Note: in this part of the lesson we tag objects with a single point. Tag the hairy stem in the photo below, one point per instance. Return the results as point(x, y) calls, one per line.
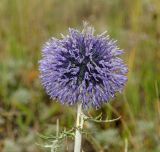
point(79, 127)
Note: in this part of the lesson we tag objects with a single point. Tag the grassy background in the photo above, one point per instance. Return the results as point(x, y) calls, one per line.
point(25, 109)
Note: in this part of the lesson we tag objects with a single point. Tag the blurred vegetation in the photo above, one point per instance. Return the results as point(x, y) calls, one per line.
point(25, 109)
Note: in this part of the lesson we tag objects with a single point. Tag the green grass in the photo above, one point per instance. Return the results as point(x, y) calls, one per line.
point(25, 109)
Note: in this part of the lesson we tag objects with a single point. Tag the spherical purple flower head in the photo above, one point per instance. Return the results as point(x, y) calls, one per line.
point(82, 67)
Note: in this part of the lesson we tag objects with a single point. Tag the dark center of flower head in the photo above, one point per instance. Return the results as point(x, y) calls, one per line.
point(83, 69)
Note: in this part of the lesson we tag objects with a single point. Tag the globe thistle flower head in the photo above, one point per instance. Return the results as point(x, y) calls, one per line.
point(82, 67)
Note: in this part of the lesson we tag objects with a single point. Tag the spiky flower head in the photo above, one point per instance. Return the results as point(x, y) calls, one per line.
point(82, 67)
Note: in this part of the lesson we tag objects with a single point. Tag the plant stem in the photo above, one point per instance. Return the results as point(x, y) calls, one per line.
point(79, 126)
